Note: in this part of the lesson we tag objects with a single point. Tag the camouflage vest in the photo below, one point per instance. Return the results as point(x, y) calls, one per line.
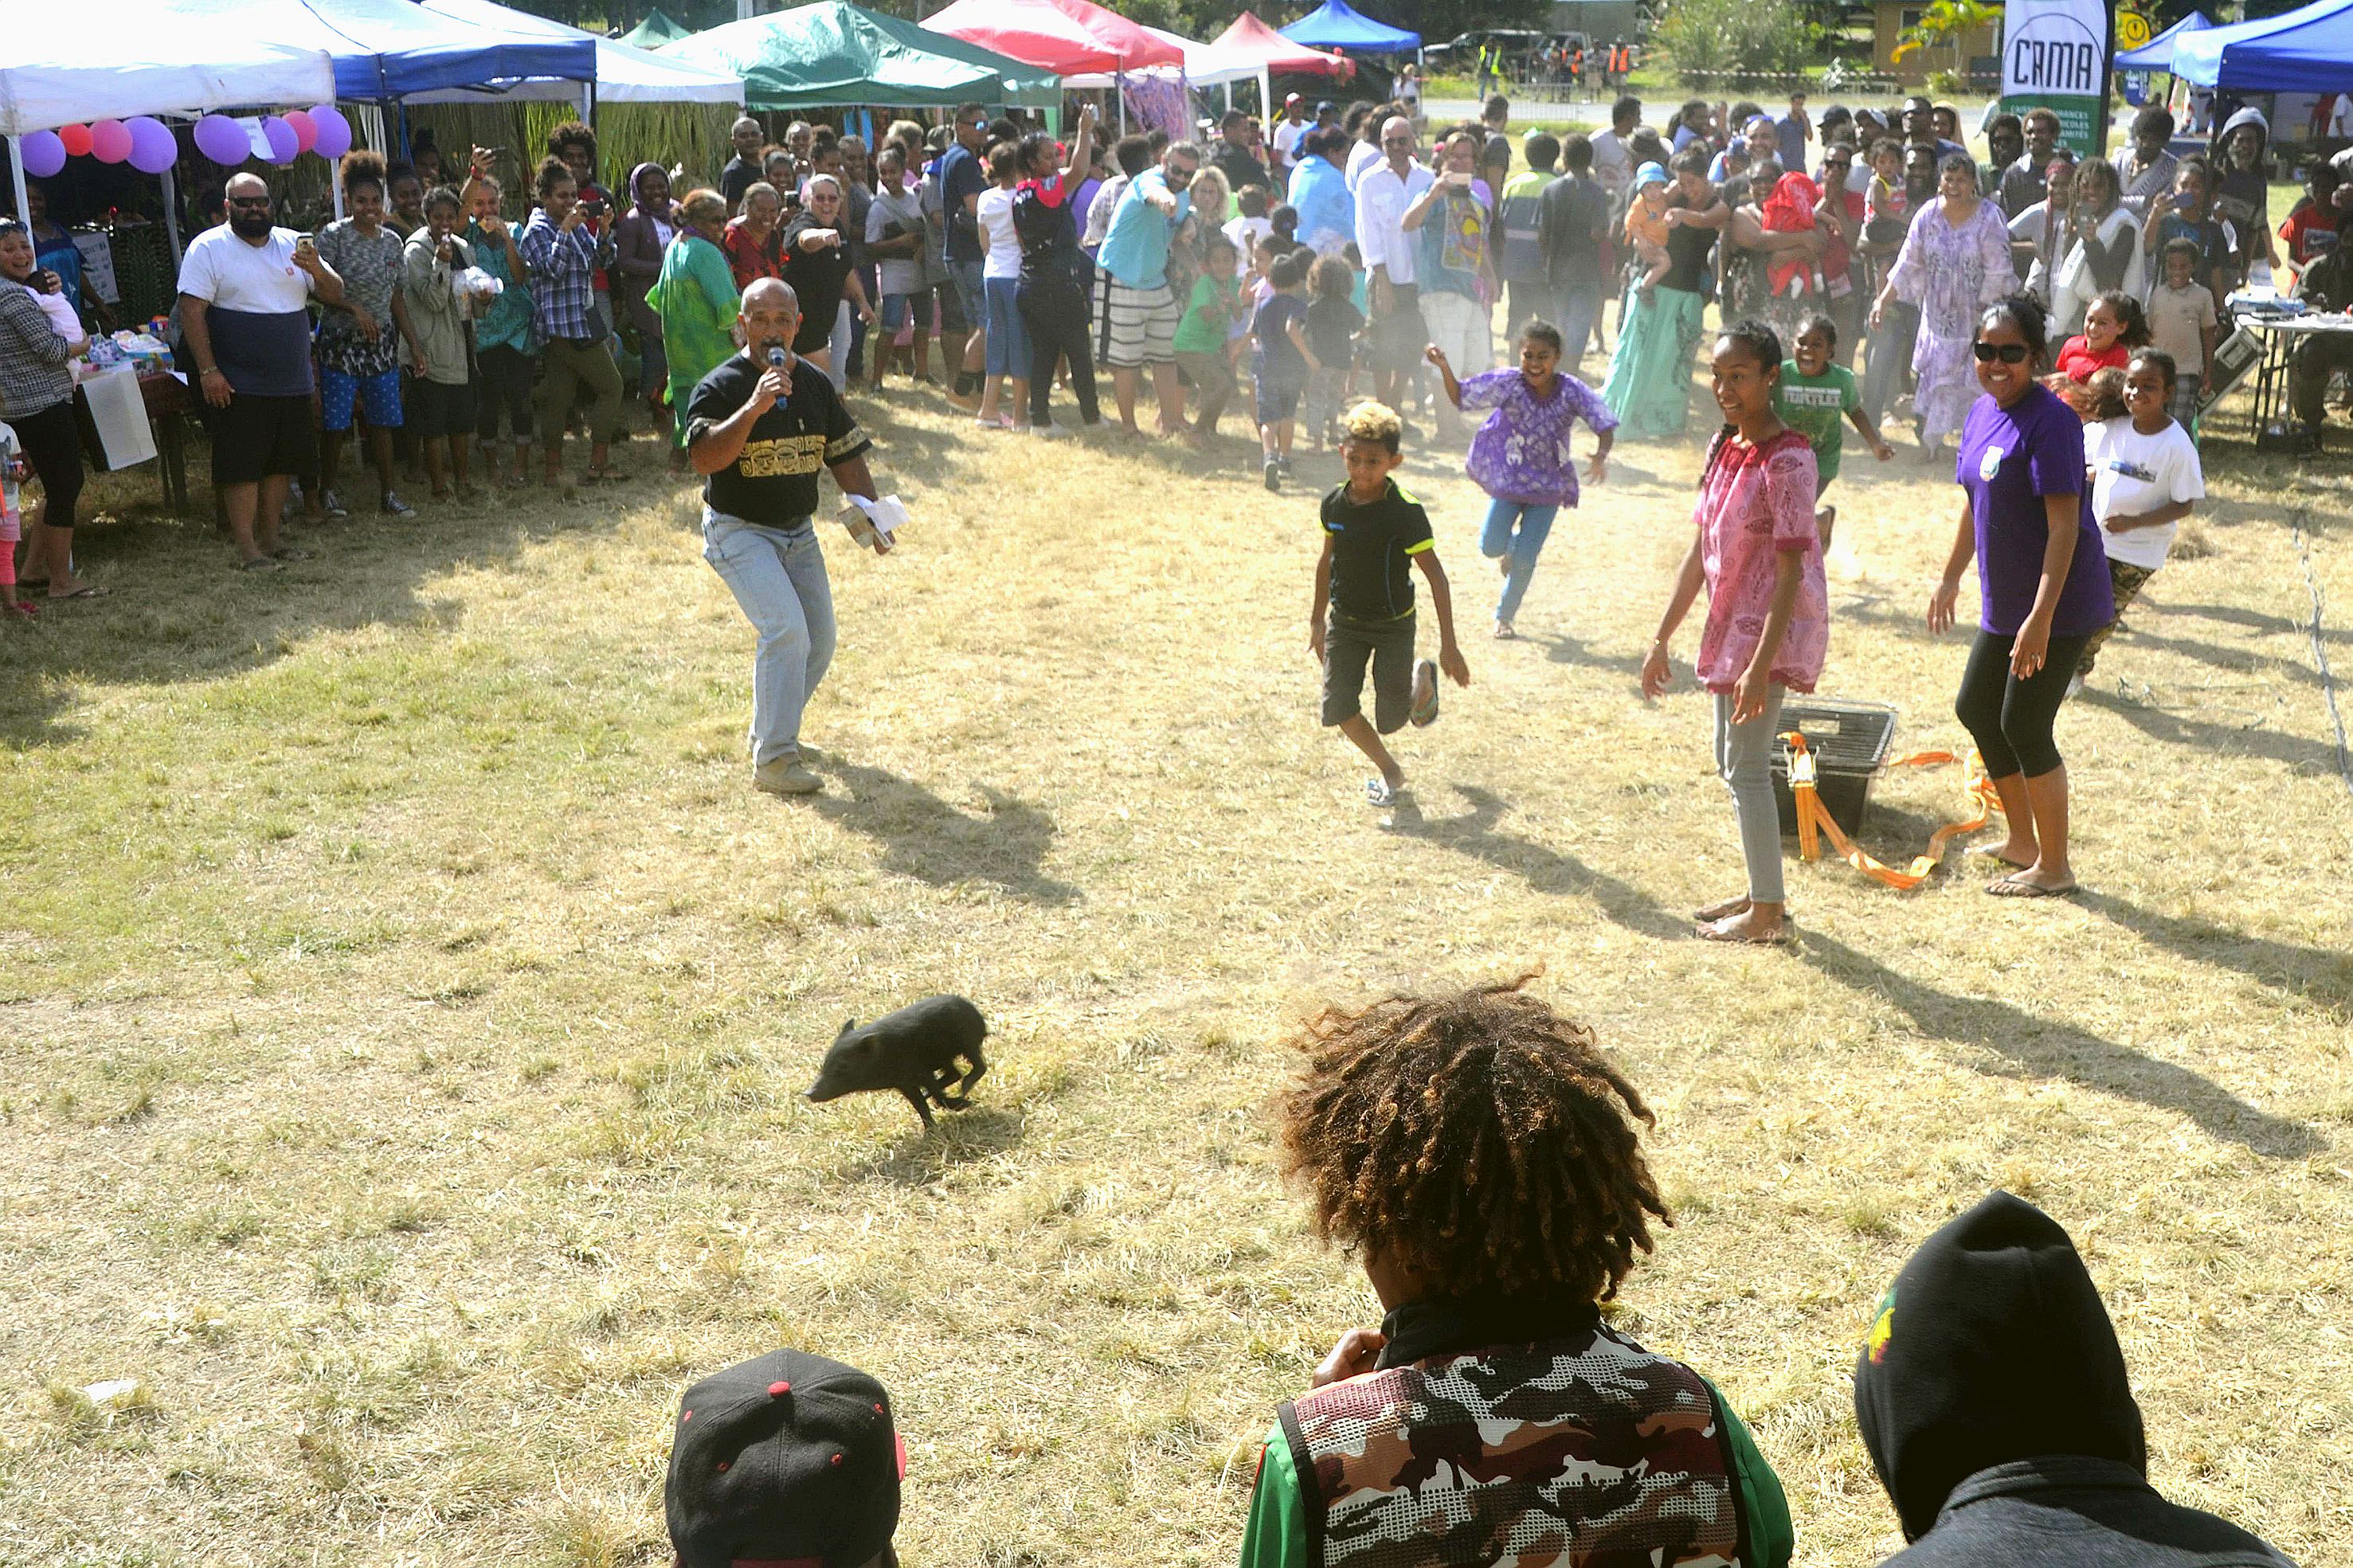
point(1587, 1451)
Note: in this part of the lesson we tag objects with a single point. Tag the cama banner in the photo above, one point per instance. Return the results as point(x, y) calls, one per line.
point(2055, 55)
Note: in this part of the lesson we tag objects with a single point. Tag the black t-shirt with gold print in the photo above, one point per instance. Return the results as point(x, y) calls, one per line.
point(773, 481)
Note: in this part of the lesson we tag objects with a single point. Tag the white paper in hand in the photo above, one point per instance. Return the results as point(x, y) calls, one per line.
point(884, 516)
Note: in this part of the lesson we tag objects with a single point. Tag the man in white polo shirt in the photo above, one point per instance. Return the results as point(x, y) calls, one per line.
point(244, 291)
point(1288, 133)
point(1384, 192)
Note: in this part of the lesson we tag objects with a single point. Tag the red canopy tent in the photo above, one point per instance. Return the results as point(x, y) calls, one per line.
point(1273, 52)
point(1068, 38)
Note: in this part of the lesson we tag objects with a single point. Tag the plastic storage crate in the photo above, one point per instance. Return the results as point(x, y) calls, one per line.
point(1850, 743)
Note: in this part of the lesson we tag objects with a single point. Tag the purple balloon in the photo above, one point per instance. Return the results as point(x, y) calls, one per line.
point(153, 149)
point(43, 153)
point(283, 143)
point(222, 140)
point(334, 138)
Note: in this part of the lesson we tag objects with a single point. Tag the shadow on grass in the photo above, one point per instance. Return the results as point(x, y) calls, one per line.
point(1568, 648)
point(176, 611)
point(1546, 869)
point(2320, 975)
point(2044, 1048)
point(2317, 757)
point(925, 838)
point(919, 1159)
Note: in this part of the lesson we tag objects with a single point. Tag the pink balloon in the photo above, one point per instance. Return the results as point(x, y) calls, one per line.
point(281, 137)
point(75, 138)
point(109, 141)
point(222, 140)
point(306, 130)
point(335, 131)
point(152, 148)
point(44, 153)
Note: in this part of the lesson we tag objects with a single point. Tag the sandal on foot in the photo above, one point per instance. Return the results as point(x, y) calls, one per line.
point(1778, 937)
point(86, 591)
point(2019, 888)
point(1993, 852)
point(1717, 911)
point(24, 607)
point(1503, 632)
point(1380, 791)
point(260, 564)
point(291, 553)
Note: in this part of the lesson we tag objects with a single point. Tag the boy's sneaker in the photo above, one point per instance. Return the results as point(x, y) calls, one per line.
point(1274, 476)
point(786, 775)
point(1284, 463)
point(393, 506)
point(1424, 710)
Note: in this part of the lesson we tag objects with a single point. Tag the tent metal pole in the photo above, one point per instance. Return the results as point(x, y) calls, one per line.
point(17, 172)
point(170, 218)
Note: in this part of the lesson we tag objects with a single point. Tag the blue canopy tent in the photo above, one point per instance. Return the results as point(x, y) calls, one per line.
point(2156, 55)
point(1333, 26)
point(385, 50)
point(2301, 51)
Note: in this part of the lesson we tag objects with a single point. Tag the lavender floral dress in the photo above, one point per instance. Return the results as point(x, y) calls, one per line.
point(1521, 453)
point(1951, 273)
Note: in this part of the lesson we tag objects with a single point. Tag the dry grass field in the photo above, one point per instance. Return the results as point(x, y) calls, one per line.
point(404, 1003)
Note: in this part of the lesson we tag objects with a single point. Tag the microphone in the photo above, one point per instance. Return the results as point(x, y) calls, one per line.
point(776, 361)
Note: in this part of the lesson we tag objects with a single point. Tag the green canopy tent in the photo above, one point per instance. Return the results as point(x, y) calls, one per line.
point(837, 55)
point(654, 32)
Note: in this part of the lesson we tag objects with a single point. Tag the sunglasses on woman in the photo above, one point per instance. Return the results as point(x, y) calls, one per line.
point(2009, 353)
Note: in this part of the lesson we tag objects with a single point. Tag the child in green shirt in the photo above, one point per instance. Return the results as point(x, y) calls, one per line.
point(1201, 337)
point(1812, 395)
point(1481, 1156)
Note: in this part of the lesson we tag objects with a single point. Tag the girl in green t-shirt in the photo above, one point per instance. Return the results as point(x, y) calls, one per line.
point(1201, 337)
point(1812, 395)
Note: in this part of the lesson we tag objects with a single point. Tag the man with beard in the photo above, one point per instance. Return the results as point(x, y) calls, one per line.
point(758, 429)
point(244, 287)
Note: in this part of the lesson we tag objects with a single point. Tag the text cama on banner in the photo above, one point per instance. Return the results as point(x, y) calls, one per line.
point(2055, 54)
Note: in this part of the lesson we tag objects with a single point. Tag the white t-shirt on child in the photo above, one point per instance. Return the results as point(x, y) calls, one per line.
point(2133, 474)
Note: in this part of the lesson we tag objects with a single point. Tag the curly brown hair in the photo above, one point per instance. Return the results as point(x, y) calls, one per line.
point(1478, 1140)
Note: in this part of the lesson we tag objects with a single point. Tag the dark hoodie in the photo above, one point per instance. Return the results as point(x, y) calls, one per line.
point(2243, 195)
point(1993, 1398)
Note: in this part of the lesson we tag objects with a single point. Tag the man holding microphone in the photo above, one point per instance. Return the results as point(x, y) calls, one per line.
point(758, 429)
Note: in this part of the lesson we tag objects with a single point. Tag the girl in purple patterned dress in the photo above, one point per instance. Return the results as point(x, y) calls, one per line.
point(1521, 456)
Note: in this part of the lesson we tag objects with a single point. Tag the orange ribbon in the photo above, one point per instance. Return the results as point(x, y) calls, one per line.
point(1814, 818)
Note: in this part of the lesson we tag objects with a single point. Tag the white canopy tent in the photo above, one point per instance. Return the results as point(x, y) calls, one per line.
point(103, 60)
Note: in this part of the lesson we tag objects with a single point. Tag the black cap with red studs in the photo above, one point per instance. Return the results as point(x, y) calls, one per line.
point(787, 1458)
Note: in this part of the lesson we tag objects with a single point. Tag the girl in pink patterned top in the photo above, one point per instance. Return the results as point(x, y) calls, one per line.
point(1757, 552)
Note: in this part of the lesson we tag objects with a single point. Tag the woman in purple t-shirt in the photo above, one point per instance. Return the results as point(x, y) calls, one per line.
point(1520, 455)
point(2044, 584)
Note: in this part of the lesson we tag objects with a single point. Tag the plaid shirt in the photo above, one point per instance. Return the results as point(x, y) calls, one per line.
point(33, 374)
point(563, 269)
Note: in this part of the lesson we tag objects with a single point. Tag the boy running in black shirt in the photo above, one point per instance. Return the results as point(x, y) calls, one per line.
point(1371, 529)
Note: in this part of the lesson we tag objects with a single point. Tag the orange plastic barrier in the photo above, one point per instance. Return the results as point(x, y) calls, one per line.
point(1814, 820)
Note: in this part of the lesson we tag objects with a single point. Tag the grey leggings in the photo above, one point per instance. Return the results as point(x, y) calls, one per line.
point(1744, 759)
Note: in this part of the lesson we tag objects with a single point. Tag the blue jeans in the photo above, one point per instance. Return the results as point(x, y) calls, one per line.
point(1009, 336)
point(1499, 539)
point(1580, 305)
point(777, 575)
